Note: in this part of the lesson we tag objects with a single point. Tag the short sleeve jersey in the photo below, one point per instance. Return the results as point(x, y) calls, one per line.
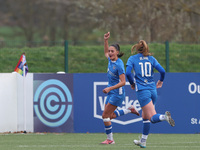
point(143, 71)
point(115, 69)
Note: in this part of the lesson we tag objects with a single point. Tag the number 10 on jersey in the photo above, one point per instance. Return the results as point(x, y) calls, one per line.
point(145, 69)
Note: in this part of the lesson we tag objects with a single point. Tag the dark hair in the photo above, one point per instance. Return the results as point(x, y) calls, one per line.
point(117, 47)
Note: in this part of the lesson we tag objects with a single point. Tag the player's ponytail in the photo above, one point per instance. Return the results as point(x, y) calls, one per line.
point(132, 48)
point(141, 47)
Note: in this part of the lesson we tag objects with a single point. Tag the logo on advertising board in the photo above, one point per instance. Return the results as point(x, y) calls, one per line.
point(52, 104)
point(130, 99)
point(194, 88)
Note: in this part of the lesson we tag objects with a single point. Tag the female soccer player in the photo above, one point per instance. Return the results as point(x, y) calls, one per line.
point(143, 64)
point(115, 90)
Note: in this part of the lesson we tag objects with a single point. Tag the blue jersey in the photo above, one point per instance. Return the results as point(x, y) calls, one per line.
point(143, 71)
point(115, 69)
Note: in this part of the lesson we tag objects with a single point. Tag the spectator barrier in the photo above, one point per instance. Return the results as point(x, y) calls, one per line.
point(75, 102)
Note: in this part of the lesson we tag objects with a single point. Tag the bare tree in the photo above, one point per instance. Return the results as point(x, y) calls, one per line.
point(128, 20)
point(25, 15)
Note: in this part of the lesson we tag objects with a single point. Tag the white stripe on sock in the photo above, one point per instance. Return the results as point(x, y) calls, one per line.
point(118, 112)
point(108, 128)
point(146, 121)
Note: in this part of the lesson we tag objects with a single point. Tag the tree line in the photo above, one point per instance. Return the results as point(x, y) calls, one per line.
point(127, 20)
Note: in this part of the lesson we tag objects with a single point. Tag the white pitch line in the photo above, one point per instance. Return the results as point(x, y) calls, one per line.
point(177, 143)
point(123, 145)
point(46, 146)
point(193, 146)
point(195, 142)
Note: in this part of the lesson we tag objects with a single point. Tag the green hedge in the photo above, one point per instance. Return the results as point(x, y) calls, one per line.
point(91, 59)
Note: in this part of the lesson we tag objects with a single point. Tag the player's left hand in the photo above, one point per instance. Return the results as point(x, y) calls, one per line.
point(133, 86)
point(106, 90)
point(159, 84)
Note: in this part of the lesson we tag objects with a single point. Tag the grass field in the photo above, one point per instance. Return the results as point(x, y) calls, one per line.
point(76, 141)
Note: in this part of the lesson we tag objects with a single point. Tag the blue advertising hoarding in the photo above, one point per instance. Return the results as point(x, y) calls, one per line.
point(180, 95)
point(75, 103)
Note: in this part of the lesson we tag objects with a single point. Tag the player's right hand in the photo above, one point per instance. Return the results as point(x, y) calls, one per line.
point(106, 90)
point(106, 36)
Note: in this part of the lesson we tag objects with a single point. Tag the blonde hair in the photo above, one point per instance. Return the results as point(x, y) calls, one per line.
point(141, 47)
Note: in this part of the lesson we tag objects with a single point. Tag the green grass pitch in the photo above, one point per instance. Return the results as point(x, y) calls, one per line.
point(90, 141)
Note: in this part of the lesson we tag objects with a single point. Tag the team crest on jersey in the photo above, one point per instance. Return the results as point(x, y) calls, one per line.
point(114, 67)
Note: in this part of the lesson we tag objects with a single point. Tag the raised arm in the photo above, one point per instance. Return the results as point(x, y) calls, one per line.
point(106, 37)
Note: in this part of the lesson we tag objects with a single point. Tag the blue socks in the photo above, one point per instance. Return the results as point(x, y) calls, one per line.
point(155, 118)
point(146, 126)
point(146, 129)
point(119, 113)
point(109, 132)
point(108, 129)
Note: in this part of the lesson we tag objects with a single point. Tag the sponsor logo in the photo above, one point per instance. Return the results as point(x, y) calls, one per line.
point(53, 103)
point(100, 99)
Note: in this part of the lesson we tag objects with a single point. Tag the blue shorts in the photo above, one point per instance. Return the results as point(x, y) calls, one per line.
point(145, 96)
point(114, 99)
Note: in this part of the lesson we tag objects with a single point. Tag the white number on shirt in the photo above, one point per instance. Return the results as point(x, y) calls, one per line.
point(145, 69)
